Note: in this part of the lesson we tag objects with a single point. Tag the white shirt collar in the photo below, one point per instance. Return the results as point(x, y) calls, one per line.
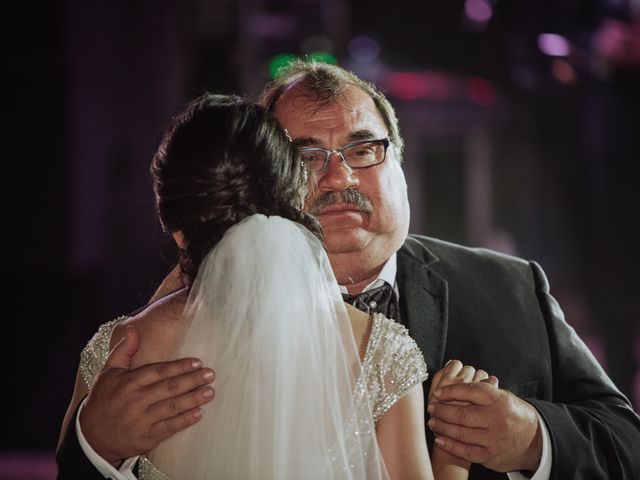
point(386, 275)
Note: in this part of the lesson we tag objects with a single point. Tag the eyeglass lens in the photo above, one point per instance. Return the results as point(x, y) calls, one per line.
point(359, 155)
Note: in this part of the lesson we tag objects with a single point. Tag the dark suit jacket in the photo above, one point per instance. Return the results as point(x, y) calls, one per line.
point(495, 312)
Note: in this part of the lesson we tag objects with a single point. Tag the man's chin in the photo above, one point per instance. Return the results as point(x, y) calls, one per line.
point(345, 241)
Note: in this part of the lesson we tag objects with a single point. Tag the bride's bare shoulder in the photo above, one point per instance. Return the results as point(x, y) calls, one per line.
point(360, 326)
point(159, 326)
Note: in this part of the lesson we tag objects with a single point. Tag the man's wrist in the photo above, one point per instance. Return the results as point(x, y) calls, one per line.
point(123, 472)
point(534, 452)
point(543, 470)
point(94, 444)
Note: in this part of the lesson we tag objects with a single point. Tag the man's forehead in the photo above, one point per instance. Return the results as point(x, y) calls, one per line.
point(298, 110)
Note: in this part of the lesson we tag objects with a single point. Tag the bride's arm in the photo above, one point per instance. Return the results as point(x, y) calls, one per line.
point(401, 437)
point(446, 465)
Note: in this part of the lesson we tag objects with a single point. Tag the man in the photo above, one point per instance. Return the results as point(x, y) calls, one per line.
point(557, 415)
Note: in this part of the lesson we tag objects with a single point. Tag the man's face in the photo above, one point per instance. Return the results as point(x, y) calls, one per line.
point(366, 225)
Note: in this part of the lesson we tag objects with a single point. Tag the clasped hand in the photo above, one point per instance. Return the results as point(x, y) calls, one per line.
point(475, 420)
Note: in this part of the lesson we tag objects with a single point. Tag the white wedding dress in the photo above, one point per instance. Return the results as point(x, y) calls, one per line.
point(292, 398)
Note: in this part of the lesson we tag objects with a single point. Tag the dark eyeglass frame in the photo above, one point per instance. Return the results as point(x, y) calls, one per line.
point(328, 152)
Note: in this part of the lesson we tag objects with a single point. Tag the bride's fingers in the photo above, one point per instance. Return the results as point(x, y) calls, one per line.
point(435, 381)
point(445, 376)
point(492, 380)
point(466, 374)
point(480, 375)
point(452, 369)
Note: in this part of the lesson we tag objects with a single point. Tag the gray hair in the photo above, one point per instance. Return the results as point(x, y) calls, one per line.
point(326, 83)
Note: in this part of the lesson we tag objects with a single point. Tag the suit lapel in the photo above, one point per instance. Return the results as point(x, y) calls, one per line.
point(423, 301)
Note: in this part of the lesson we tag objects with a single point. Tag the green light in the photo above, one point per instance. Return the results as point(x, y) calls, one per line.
point(279, 64)
point(322, 57)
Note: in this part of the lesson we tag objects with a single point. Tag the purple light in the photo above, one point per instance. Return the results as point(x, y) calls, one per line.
point(364, 49)
point(553, 45)
point(478, 11)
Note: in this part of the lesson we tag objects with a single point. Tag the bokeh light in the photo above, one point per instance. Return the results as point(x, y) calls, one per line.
point(279, 64)
point(553, 45)
point(478, 12)
point(563, 71)
point(364, 49)
point(481, 91)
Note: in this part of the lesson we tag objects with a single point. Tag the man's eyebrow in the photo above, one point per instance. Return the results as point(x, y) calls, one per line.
point(306, 142)
point(363, 134)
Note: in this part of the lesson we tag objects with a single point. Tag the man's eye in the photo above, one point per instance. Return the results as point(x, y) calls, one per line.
point(363, 152)
point(312, 156)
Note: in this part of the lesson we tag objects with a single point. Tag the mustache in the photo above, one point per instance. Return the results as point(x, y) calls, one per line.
point(350, 197)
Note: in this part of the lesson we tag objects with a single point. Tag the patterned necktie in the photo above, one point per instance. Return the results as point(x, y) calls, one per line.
point(377, 300)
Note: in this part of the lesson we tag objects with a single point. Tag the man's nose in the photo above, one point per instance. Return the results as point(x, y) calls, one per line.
point(338, 175)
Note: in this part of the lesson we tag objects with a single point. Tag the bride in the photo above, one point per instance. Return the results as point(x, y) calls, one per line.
point(307, 386)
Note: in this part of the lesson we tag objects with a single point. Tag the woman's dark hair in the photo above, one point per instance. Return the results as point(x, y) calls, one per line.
point(222, 160)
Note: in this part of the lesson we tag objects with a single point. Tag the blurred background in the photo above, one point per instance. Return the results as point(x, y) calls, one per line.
point(521, 121)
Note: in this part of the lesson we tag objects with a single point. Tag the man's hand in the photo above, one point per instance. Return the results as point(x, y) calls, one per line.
point(445, 464)
point(497, 429)
point(130, 411)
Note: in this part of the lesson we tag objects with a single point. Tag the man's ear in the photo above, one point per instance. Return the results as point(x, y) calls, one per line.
point(178, 236)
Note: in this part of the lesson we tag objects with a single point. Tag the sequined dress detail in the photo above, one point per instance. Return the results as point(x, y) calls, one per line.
point(392, 365)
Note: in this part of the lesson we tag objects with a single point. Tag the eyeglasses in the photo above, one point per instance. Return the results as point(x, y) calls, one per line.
point(362, 154)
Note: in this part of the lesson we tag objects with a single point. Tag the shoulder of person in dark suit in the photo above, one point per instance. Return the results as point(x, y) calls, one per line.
point(502, 317)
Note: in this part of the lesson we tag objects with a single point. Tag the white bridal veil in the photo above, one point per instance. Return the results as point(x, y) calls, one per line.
point(266, 314)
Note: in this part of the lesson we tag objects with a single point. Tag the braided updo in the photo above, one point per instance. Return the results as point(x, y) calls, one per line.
point(222, 160)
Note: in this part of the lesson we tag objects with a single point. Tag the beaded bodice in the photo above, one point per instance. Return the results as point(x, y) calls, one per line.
point(392, 365)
